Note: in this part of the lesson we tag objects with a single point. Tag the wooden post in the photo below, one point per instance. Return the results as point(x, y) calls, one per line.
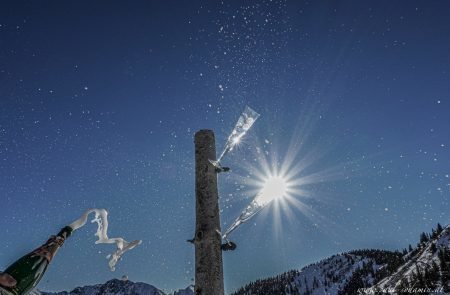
point(208, 253)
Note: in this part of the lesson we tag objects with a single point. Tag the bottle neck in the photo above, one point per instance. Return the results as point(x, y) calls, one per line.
point(65, 232)
point(49, 249)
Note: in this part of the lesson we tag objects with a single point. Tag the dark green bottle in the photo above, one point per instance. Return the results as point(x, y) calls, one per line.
point(29, 269)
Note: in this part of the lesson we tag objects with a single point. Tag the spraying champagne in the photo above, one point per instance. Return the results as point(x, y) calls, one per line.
point(23, 275)
point(244, 123)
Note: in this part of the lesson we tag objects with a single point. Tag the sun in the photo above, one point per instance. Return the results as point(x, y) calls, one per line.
point(275, 188)
point(284, 185)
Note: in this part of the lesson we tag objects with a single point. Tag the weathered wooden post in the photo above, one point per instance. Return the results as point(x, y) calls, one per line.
point(207, 240)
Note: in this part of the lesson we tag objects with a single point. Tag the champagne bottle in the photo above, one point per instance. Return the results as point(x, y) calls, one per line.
point(29, 269)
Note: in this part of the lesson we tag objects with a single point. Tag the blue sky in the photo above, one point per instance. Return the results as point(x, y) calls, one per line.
point(99, 103)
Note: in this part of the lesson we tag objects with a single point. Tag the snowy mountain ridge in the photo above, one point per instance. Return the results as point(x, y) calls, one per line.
point(424, 269)
point(120, 287)
point(329, 276)
point(369, 271)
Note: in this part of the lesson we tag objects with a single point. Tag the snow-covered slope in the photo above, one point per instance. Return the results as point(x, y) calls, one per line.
point(427, 266)
point(329, 276)
point(333, 274)
point(120, 287)
point(368, 272)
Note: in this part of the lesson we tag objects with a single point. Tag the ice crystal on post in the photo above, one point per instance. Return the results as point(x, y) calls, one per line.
point(244, 123)
point(274, 188)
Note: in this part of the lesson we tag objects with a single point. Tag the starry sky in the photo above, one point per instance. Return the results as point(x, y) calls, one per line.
point(99, 103)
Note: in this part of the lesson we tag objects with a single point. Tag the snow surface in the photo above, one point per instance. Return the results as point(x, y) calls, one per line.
point(120, 287)
point(423, 258)
point(342, 266)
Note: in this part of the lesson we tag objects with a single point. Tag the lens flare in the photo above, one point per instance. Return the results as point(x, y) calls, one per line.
point(291, 177)
point(281, 184)
point(275, 187)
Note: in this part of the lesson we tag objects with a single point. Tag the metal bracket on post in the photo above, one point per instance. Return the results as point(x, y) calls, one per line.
point(222, 169)
point(218, 167)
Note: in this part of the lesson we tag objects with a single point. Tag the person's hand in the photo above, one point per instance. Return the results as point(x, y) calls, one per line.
point(6, 280)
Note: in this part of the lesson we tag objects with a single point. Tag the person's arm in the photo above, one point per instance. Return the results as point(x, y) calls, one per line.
point(6, 280)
